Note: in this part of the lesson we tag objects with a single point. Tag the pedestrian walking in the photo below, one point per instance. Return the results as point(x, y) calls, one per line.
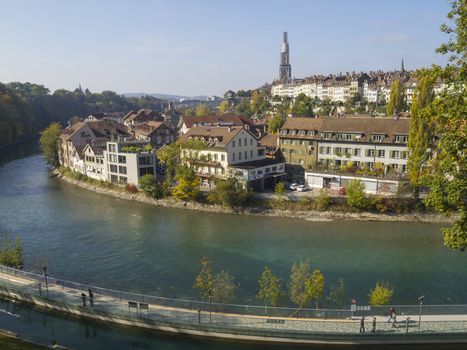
point(91, 297)
point(391, 313)
point(394, 320)
point(407, 324)
point(373, 329)
point(83, 297)
point(362, 325)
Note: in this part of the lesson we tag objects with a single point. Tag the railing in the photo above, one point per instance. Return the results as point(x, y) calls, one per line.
point(254, 310)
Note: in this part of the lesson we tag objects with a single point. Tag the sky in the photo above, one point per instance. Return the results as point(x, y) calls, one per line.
point(207, 47)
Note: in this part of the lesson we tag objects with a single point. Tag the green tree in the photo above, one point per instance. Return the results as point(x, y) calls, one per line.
point(356, 195)
point(223, 288)
point(315, 286)
point(303, 106)
point(149, 185)
point(187, 187)
point(202, 110)
point(420, 133)
point(446, 174)
point(337, 294)
point(11, 254)
point(243, 107)
point(276, 123)
point(204, 280)
point(49, 143)
point(270, 291)
point(169, 156)
point(230, 193)
point(396, 98)
point(299, 276)
point(223, 107)
point(381, 294)
point(280, 189)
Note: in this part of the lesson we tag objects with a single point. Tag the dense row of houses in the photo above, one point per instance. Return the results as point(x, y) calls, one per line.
point(322, 152)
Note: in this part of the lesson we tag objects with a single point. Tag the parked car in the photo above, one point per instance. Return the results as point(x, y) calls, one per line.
point(293, 186)
point(302, 188)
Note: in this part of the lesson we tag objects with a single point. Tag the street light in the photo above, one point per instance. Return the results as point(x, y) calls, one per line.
point(45, 277)
point(420, 299)
point(210, 298)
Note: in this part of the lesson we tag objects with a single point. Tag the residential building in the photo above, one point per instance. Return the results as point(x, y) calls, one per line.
point(134, 118)
point(351, 144)
point(232, 151)
point(187, 122)
point(126, 161)
point(155, 133)
point(93, 156)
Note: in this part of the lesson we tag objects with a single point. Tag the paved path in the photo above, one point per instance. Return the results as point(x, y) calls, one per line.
point(430, 323)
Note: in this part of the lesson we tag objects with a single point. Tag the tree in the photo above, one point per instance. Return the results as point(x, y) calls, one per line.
point(258, 103)
point(223, 288)
point(446, 174)
point(280, 189)
point(299, 276)
point(204, 280)
point(381, 294)
point(270, 291)
point(149, 185)
point(337, 294)
point(303, 106)
point(230, 193)
point(396, 98)
point(11, 254)
point(202, 110)
point(49, 143)
point(187, 187)
point(223, 107)
point(169, 155)
point(421, 131)
point(356, 194)
point(315, 286)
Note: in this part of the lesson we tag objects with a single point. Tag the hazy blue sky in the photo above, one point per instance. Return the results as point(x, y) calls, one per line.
point(207, 47)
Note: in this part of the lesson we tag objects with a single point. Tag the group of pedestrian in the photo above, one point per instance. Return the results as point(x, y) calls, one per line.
point(392, 317)
point(91, 297)
point(362, 325)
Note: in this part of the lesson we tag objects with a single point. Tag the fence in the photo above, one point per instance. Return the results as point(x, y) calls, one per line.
point(253, 310)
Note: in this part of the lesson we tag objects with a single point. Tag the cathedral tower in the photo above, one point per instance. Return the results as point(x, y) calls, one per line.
point(285, 69)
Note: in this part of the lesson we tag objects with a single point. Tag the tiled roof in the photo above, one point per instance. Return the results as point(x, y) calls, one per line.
point(224, 119)
point(150, 127)
point(269, 140)
point(360, 124)
point(219, 136)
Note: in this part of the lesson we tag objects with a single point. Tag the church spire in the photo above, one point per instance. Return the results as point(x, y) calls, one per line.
point(285, 69)
point(402, 66)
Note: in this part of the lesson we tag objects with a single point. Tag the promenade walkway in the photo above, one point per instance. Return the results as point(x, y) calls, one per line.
point(149, 315)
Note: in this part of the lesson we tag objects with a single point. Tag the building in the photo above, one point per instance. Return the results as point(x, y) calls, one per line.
point(134, 118)
point(126, 161)
point(155, 133)
point(93, 156)
point(285, 69)
point(232, 151)
point(352, 145)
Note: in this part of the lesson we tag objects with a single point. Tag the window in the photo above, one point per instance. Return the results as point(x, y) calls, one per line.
point(326, 135)
point(251, 142)
point(337, 151)
point(122, 159)
point(245, 143)
point(321, 150)
point(370, 152)
point(239, 142)
point(122, 169)
point(122, 180)
point(111, 148)
point(404, 155)
point(395, 154)
point(381, 153)
point(222, 157)
point(377, 138)
point(268, 170)
point(113, 168)
point(357, 152)
point(260, 152)
point(328, 150)
point(239, 155)
point(284, 132)
point(246, 154)
point(144, 161)
point(112, 158)
point(113, 178)
point(251, 153)
point(274, 168)
point(400, 139)
point(233, 143)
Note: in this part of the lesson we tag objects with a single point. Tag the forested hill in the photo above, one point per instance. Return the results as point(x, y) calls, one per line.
point(27, 108)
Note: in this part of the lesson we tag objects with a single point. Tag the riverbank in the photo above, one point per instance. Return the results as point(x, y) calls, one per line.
point(309, 215)
point(11, 341)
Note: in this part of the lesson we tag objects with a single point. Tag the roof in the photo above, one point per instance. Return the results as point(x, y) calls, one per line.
point(150, 127)
point(219, 136)
point(269, 140)
point(141, 115)
point(361, 124)
point(97, 150)
point(224, 119)
point(100, 128)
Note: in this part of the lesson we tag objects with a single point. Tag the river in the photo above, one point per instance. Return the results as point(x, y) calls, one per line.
point(99, 240)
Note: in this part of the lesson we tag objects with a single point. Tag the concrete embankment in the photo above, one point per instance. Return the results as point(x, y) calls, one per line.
point(308, 215)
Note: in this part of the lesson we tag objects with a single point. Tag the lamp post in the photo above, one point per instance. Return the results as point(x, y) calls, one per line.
point(46, 283)
point(420, 299)
point(210, 298)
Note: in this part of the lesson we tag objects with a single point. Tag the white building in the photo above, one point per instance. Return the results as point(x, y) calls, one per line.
point(231, 152)
point(126, 161)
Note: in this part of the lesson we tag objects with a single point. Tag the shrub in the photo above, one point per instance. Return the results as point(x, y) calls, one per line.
point(280, 189)
point(323, 201)
point(356, 195)
point(131, 188)
point(381, 294)
point(149, 186)
point(11, 253)
point(230, 193)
